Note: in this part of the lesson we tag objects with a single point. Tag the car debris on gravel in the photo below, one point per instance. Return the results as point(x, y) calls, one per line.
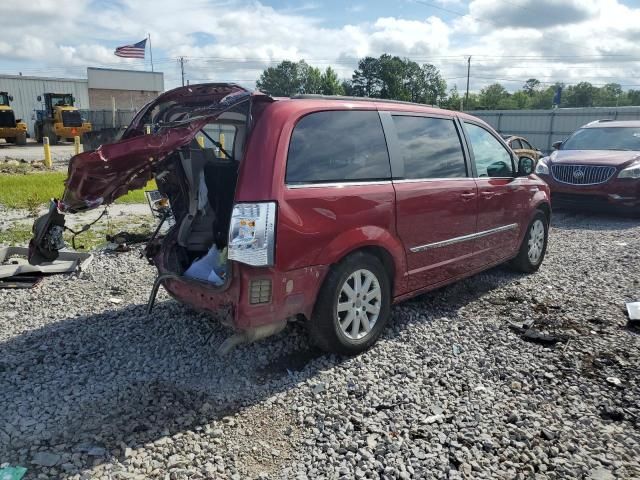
point(96, 389)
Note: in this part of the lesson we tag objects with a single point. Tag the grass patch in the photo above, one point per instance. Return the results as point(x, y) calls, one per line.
point(25, 190)
point(16, 235)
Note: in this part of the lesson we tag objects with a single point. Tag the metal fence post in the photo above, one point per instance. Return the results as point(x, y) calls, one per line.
point(549, 142)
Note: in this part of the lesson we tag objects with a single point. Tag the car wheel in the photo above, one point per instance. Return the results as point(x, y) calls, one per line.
point(353, 306)
point(534, 245)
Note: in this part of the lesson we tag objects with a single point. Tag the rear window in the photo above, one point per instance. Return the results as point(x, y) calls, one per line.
point(430, 147)
point(338, 146)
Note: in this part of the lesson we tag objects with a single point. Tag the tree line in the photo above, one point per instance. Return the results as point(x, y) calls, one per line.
point(392, 77)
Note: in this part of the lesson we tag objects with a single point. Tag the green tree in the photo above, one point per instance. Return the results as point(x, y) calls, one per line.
point(531, 86)
point(580, 95)
point(610, 95)
point(396, 78)
point(521, 100)
point(283, 80)
point(330, 83)
point(366, 80)
point(492, 96)
point(452, 101)
point(633, 97)
point(347, 88)
point(435, 87)
point(310, 78)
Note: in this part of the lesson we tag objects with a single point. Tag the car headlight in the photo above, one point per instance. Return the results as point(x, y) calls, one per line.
point(542, 168)
point(630, 172)
point(252, 233)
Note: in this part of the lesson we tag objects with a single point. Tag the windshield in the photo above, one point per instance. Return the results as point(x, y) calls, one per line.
point(604, 138)
point(4, 99)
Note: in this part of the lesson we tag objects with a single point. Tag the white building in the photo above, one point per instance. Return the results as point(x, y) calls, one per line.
point(129, 89)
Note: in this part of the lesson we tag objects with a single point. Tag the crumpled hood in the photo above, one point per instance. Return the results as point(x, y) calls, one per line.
point(614, 158)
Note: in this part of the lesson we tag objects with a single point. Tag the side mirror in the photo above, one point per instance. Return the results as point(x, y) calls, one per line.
point(526, 166)
point(11, 98)
point(39, 98)
point(557, 145)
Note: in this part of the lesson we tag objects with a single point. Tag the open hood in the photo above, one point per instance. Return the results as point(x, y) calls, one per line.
point(613, 158)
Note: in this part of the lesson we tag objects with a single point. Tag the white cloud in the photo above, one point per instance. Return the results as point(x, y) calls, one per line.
point(235, 41)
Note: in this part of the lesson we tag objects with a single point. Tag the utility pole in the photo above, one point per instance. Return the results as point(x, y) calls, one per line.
point(182, 60)
point(466, 97)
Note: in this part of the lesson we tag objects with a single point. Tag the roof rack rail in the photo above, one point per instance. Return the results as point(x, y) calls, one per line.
point(602, 120)
point(317, 96)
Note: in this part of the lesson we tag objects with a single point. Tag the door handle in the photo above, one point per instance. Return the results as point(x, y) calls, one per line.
point(467, 195)
point(488, 194)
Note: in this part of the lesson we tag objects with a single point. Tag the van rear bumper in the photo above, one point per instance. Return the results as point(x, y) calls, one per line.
point(236, 304)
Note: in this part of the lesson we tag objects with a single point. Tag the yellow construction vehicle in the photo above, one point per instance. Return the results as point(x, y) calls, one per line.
point(11, 129)
point(59, 120)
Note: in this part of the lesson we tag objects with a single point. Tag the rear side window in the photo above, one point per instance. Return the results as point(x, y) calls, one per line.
point(430, 147)
point(515, 144)
point(338, 146)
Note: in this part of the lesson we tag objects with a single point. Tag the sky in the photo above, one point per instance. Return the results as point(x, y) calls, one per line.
point(509, 41)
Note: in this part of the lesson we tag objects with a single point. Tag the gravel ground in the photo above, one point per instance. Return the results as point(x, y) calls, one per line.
point(92, 387)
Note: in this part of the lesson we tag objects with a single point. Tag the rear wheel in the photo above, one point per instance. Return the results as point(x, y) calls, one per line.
point(21, 139)
point(353, 306)
point(534, 245)
point(49, 132)
point(10, 140)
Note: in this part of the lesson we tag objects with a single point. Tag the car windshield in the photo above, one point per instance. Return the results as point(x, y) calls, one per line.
point(604, 138)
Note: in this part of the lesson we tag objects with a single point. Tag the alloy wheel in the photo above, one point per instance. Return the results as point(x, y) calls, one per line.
point(358, 305)
point(536, 241)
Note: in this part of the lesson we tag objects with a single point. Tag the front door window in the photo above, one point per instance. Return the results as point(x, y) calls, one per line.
point(492, 159)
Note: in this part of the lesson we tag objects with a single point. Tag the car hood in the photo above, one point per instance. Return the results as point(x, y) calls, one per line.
point(614, 158)
point(100, 176)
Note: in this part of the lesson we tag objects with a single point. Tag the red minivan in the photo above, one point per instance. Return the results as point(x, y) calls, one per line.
point(327, 209)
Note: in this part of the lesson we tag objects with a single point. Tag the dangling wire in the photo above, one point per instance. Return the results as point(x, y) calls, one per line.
point(84, 228)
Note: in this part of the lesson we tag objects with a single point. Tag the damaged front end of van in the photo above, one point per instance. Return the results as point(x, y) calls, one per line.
point(199, 178)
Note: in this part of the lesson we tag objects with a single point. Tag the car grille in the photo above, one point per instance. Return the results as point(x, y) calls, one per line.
point(7, 118)
point(71, 118)
point(582, 174)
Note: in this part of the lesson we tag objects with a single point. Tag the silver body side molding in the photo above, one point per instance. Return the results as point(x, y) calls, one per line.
point(464, 238)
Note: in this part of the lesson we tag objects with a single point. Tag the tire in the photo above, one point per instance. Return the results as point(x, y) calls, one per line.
point(21, 139)
point(534, 245)
point(48, 132)
point(344, 332)
point(10, 139)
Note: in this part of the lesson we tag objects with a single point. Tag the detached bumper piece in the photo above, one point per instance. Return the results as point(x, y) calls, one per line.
point(16, 272)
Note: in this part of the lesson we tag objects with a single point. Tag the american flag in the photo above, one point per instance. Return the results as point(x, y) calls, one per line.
point(132, 51)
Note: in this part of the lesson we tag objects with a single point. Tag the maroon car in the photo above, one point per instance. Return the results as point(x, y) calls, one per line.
point(326, 209)
point(597, 167)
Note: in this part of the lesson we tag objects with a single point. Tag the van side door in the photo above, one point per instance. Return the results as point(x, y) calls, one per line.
point(503, 198)
point(436, 198)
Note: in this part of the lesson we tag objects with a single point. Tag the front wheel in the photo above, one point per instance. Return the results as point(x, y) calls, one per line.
point(353, 306)
point(534, 245)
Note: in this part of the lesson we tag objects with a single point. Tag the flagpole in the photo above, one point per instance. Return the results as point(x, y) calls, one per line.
point(150, 50)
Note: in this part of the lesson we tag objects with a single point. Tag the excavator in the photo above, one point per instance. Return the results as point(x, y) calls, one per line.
point(60, 119)
point(11, 129)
